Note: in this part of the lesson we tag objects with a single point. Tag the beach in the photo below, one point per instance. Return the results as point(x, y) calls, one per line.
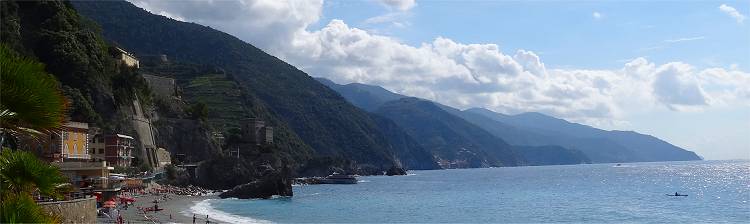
point(176, 209)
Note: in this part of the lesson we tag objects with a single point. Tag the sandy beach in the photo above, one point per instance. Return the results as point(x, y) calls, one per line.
point(176, 209)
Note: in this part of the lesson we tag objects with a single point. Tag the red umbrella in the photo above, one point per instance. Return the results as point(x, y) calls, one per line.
point(109, 204)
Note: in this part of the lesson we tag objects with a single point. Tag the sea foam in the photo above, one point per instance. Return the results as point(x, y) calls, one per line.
point(203, 208)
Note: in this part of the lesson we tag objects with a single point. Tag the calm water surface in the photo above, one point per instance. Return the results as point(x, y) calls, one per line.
point(719, 191)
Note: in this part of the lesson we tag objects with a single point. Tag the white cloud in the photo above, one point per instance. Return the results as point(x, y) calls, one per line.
point(401, 5)
point(596, 15)
point(731, 11)
point(676, 86)
point(684, 39)
point(465, 75)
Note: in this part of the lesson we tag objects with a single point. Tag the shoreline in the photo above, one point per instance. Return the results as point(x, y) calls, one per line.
point(176, 209)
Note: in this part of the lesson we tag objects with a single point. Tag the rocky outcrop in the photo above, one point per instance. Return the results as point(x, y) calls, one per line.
point(186, 137)
point(394, 170)
point(266, 187)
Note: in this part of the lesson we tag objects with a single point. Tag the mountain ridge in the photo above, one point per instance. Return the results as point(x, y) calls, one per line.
point(294, 102)
point(538, 129)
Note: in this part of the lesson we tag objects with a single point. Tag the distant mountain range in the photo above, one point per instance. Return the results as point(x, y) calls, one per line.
point(530, 129)
point(356, 127)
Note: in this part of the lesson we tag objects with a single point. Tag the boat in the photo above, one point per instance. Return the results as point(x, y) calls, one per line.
point(677, 195)
point(336, 178)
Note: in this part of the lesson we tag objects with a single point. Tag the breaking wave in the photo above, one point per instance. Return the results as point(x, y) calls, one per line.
point(205, 208)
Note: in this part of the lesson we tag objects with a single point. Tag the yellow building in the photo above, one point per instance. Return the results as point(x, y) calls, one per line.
point(126, 58)
point(75, 141)
point(69, 143)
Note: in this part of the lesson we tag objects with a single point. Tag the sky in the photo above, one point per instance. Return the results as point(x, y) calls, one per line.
point(677, 70)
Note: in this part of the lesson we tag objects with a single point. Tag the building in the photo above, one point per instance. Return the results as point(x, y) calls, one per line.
point(70, 143)
point(96, 145)
point(161, 86)
point(126, 58)
point(87, 175)
point(118, 149)
point(256, 132)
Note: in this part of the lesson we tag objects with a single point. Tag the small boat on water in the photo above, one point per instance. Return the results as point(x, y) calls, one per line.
point(336, 178)
point(677, 195)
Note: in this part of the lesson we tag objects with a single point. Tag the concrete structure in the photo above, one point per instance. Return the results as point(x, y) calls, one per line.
point(256, 132)
point(87, 175)
point(96, 144)
point(118, 149)
point(128, 59)
point(70, 143)
point(161, 86)
point(145, 133)
point(163, 157)
point(72, 211)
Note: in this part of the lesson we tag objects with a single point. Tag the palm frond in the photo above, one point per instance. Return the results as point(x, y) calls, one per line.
point(29, 97)
point(23, 209)
point(21, 172)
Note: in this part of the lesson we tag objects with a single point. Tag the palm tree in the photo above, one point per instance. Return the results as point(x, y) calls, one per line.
point(31, 102)
point(22, 174)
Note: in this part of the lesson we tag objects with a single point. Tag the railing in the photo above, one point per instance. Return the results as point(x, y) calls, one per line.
point(76, 156)
point(74, 165)
point(65, 197)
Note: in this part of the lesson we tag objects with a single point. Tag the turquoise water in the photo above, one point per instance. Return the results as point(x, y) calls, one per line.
point(719, 191)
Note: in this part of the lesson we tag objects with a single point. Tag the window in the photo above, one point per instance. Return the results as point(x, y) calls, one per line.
point(101, 151)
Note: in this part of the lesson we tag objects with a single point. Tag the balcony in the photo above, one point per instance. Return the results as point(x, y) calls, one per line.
point(76, 156)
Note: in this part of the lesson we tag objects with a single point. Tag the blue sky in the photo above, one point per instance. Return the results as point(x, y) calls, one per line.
point(678, 70)
point(599, 35)
point(566, 34)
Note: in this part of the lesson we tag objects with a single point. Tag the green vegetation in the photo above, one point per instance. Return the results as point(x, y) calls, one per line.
point(21, 175)
point(296, 105)
point(447, 136)
point(31, 100)
point(221, 95)
point(72, 50)
point(31, 104)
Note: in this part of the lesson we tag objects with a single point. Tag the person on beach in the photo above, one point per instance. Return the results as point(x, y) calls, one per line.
point(193, 218)
point(207, 220)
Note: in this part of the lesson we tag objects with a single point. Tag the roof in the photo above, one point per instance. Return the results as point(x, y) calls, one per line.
point(80, 125)
point(124, 136)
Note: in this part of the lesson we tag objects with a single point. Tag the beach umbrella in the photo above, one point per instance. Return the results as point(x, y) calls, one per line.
point(109, 204)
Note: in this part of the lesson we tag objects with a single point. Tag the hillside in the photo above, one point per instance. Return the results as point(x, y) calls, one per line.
point(72, 50)
point(632, 146)
point(539, 130)
point(363, 96)
point(451, 139)
point(319, 116)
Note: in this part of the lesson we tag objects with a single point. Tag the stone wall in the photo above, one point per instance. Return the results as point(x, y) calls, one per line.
point(73, 211)
point(162, 86)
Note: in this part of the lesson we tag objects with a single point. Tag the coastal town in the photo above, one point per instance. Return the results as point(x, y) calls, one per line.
point(267, 111)
point(114, 177)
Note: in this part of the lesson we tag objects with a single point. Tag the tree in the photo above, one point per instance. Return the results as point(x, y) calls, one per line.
point(22, 174)
point(199, 111)
point(30, 99)
point(31, 103)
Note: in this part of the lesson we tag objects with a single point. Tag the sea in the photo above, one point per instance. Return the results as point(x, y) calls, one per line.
point(718, 192)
